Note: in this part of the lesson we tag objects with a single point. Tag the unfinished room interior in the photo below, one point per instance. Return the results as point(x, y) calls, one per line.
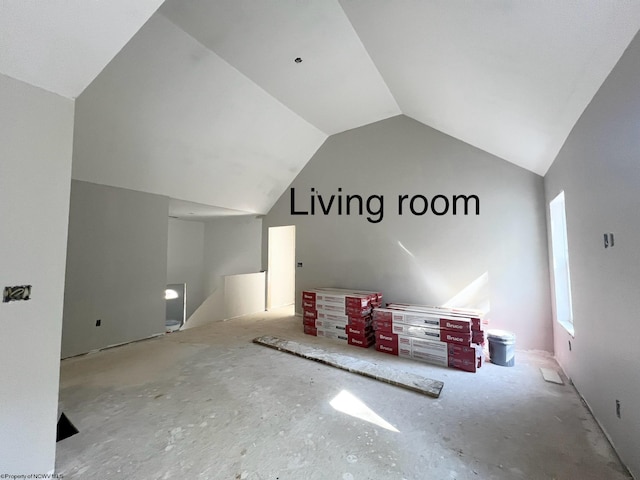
point(196, 193)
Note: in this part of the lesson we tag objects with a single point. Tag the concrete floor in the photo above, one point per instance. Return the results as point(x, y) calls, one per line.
point(206, 403)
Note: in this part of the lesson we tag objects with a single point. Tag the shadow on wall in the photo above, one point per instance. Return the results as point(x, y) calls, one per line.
point(474, 296)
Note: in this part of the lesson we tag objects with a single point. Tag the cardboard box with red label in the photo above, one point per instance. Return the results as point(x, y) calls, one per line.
point(438, 334)
point(468, 358)
point(340, 300)
point(310, 330)
point(331, 325)
point(361, 341)
point(332, 334)
point(385, 315)
point(476, 317)
point(361, 322)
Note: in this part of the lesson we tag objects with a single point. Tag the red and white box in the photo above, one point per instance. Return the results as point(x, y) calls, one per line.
point(331, 325)
point(361, 322)
point(361, 341)
point(386, 342)
point(421, 319)
point(384, 325)
point(339, 300)
point(360, 336)
point(359, 331)
point(476, 317)
point(332, 316)
point(374, 297)
point(309, 314)
point(438, 334)
point(309, 321)
point(434, 333)
point(309, 330)
point(335, 297)
point(333, 334)
point(463, 357)
point(327, 307)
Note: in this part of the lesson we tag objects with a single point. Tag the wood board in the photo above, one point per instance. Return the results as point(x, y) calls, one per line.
point(382, 373)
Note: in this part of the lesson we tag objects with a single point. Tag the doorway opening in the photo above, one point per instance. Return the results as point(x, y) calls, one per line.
point(281, 267)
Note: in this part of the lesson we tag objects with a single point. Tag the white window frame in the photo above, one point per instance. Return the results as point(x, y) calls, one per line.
point(560, 261)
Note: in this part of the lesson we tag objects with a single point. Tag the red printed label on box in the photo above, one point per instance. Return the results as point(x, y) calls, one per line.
point(364, 342)
point(359, 331)
point(432, 333)
point(384, 348)
point(309, 296)
point(312, 314)
point(422, 319)
point(387, 343)
point(361, 322)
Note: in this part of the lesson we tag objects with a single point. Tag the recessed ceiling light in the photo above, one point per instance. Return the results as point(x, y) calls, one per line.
point(298, 60)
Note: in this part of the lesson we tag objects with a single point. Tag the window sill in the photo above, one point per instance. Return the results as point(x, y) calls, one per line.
point(568, 326)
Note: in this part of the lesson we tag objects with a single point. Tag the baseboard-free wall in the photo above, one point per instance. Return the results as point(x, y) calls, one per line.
point(498, 256)
point(36, 134)
point(185, 259)
point(232, 246)
point(598, 169)
point(239, 295)
point(116, 267)
point(244, 294)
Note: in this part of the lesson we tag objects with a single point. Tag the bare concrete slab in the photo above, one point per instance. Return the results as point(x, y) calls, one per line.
point(392, 376)
point(209, 404)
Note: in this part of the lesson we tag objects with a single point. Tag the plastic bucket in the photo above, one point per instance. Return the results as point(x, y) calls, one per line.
point(502, 347)
point(172, 325)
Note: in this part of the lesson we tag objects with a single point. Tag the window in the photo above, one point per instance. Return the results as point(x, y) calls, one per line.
point(560, 253)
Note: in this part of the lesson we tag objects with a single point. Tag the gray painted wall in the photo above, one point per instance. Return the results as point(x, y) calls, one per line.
point(599, 170)
point(36, 134)
point(116, 267)
point(185, 259)
point(425, 259)
point(232, 246)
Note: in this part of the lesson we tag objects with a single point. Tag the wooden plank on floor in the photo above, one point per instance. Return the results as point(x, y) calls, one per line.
point(551, 375)
point(385, 374)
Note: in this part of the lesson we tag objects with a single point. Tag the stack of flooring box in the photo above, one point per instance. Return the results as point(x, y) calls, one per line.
point(443, 336)
point(340, 314)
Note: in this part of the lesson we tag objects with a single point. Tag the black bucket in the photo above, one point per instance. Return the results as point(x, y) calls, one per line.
point(502, 347)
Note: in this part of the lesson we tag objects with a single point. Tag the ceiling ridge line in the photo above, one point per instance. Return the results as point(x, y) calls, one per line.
point(244, 75)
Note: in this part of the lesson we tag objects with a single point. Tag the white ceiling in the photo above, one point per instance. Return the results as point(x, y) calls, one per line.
point(168, 116)
point(62, 45)
point(336, 87)
point(510, 78)
point(199, 212)
point(206, 104)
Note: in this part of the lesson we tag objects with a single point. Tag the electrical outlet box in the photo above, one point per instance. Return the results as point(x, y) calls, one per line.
point(19, 292)
point(98, 322)
point(608, 240)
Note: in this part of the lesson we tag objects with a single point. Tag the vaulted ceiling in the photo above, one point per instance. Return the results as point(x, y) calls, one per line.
point(206, 103)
